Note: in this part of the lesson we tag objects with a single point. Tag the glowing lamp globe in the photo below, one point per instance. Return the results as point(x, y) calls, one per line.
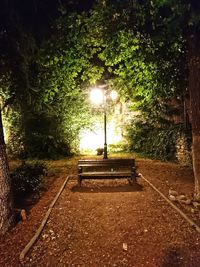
point(113, 95)
point(97, 96)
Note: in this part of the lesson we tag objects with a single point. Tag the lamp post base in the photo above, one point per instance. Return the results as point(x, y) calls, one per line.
point(105, 152)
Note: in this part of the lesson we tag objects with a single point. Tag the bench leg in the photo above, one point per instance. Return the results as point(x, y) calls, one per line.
point(132, 180)
point(79, 181)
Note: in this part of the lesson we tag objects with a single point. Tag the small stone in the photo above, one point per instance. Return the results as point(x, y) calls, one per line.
point(181, 197)
point(45, 236)
point(51, 232)
point(172, 198)
point(173, 192)
point(23, 215)
point(187, 201)
point(125, 246)
point(196, 204)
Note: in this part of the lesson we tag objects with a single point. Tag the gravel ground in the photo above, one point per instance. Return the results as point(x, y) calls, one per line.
point(110, 223)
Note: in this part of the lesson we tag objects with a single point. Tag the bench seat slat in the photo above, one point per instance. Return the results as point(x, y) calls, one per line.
point(104, 174)
point(105, 165)
point(108, 161)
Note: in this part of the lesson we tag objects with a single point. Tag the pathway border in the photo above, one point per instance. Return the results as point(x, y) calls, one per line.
point(193, 224)
point(43, 223)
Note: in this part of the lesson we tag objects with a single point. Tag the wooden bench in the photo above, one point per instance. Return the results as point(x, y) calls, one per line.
point(107, 169)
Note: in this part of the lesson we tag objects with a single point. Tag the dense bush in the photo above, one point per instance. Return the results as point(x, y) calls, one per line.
point(43, 136)
point(45, 146)
point(159, 143)
point(47, 133)
point(38, 136)
point(27, 178)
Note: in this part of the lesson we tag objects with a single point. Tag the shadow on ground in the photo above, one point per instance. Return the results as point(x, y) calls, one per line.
point(174, 257)
point(107, 189)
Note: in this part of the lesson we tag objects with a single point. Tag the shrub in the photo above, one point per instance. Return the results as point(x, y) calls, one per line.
point(45, 146)
point(100, 151)
point(159, 143)
point(27, 178)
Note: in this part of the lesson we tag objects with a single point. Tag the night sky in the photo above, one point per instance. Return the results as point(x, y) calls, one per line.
point(37, 15)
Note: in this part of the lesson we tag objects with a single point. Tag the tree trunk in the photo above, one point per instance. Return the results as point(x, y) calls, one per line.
point(194, 90)
point(6, 200)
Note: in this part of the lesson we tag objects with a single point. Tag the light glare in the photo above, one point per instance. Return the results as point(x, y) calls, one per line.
point(113, 95)
point(96, 96)
point(91, 140)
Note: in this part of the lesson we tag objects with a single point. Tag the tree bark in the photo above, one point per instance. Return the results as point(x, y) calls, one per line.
point(6, 199)
point(194, 90)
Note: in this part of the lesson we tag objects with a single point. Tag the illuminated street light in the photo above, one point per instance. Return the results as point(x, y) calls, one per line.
point(113, 95)
point(98, 97)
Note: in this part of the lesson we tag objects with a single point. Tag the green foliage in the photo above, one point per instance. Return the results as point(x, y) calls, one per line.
point(138, 46)
point(43, 137)
point(27, 178)
point(67, 70)
point(13, 129)
point(148, 58)
point(155, 142)
point(52, 112)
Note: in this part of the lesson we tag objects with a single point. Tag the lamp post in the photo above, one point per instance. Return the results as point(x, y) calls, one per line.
point(105, 148)
point(98, 97)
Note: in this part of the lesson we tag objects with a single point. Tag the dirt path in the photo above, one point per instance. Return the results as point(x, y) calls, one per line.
point(109, 223)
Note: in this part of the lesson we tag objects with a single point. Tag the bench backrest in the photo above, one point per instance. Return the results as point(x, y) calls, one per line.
point(106, 163)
